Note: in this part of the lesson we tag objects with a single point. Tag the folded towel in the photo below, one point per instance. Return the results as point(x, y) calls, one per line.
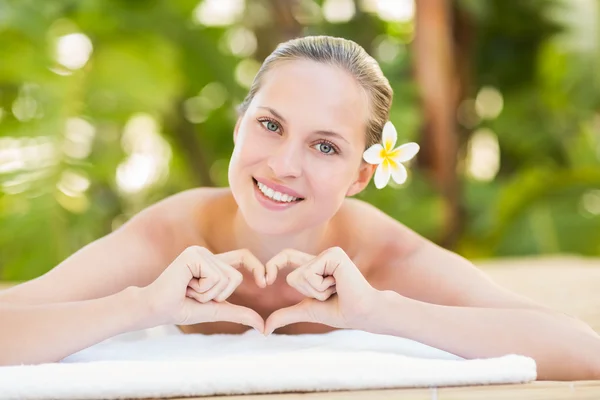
point(202, 365)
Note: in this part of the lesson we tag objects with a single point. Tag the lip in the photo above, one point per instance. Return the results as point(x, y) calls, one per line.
point(272, 204)
point(279, 188)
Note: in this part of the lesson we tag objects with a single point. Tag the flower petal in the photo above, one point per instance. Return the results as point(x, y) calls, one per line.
point(373, 155)
point(389, 136)
point(382, 174)
point(405, 152)
point(399, 173)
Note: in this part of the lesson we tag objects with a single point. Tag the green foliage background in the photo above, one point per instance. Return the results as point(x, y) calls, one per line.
point(152, 61)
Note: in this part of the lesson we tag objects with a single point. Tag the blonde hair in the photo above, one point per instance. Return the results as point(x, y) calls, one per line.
point(343, 53)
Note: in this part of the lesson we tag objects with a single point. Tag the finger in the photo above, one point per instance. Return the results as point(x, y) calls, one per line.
point(301, 312)
point(296, 280)
point(318, 282)
point(302, 286)
point(309, 291)
point(234, 279)
point(287, 258)
point(194, 284)
point(186, 266)
point(189, 292)
point(238, 314)
point(214, 291)
point(279, 261)
point(258, 270)
point(222, 281)
point(335, 262)
point(271, 270)
point(326, 294)
point(244, 258)
point(204, 284)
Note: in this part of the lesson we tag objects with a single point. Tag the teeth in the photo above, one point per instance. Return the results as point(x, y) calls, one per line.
point(274, 195)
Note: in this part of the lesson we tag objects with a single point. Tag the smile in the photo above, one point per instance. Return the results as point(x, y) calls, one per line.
point(272, 198)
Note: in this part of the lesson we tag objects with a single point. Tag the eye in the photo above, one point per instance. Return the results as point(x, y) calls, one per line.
point(269, 125)
point(326, 148)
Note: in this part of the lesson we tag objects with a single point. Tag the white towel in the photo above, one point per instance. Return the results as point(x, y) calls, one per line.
point(199, 365)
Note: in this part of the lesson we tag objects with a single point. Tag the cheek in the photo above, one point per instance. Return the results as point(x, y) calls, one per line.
point(250, 148)
point(331, 179)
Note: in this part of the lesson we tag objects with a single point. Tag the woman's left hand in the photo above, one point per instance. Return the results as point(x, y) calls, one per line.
point(338, 295)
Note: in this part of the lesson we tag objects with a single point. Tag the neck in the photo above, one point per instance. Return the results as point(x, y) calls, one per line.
point(265, 246)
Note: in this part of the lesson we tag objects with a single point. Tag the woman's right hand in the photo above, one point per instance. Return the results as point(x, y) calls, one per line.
point(194, 287)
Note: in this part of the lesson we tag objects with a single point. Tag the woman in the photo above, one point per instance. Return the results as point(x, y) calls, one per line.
point(285, 248)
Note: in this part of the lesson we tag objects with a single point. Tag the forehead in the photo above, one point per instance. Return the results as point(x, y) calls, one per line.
point(316, 94)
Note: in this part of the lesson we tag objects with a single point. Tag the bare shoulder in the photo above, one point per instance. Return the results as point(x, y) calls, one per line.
point(132, 255)
point(374, 236)
point(401, 260)
point(181, 204)
point(176, 220)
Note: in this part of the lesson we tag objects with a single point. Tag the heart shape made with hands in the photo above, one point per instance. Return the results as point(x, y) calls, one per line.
point(337, 294)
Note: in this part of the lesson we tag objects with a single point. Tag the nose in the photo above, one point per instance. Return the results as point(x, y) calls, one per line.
point(286, 160)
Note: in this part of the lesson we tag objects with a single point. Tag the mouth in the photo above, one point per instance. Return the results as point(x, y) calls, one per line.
point(274, 196)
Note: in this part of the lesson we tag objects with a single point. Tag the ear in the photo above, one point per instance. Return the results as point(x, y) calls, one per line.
point(365, 173)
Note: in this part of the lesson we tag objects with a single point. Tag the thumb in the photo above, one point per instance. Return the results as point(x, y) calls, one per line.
point(305, 311)
point(214, 311)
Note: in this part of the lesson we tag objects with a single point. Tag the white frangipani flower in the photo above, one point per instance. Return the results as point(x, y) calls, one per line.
point(388, 159)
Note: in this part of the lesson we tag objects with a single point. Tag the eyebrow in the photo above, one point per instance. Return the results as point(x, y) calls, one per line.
point(324, 132)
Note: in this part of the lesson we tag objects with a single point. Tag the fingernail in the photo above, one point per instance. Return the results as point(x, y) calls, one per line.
point(265, 280)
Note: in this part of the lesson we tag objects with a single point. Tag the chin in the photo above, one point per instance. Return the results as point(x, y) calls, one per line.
point(268, 222)
point(271, 223)
point(264, 219)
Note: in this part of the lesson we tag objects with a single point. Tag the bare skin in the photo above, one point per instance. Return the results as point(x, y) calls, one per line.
point(137, 253)
point(310, 143)
point(217, 233)
point(390, 256)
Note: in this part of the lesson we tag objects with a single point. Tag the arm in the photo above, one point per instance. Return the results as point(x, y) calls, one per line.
point(437, 297)
point(46, 333)
point(432, 274)
point(133, 255)
point(561, 351)
point(88, 297)
point(339, 295)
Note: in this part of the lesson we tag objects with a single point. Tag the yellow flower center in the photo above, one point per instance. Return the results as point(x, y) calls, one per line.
point(386, 154)
point(383, 154)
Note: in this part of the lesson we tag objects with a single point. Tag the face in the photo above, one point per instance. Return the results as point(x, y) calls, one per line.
point(298, 148)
